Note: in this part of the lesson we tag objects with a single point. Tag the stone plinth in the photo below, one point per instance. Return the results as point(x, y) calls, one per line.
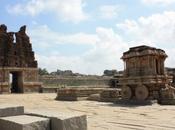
point(10, 110)
point(74, 94)
point(24, 122)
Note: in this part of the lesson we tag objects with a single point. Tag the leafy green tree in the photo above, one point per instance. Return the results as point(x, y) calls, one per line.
point(43, 71)
point(109, 72)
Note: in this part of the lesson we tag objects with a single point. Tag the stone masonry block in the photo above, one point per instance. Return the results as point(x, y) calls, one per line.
point(63, 121)
point(11, 110)
point(24, 122)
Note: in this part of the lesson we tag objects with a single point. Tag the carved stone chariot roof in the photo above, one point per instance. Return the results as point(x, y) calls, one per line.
point(143, 51)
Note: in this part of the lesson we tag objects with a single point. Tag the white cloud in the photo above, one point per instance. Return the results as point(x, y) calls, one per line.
point(158, 2)
point(107, 45)
point(57, 61)
point(46, 37)
point(105, 52)
point(156, 30)
point(66, 10)
point(109, 11)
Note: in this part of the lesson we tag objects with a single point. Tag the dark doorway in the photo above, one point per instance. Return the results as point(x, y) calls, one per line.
point(16, 82)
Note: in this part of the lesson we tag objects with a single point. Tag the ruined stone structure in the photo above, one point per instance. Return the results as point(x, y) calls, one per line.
point(18, 67)
point(75, 94)
point(144, 73)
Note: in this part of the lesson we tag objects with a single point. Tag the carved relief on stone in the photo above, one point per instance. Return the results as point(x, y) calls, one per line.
point(30, 75)
point(143, 62)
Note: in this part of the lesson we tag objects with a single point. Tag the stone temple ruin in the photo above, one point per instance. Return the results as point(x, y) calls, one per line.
point(144, 81)
point(18, 67)
point(144, 75)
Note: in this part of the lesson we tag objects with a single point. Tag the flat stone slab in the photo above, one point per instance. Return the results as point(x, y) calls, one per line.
point(11, 110)
point(24, 122)
point(63, 121)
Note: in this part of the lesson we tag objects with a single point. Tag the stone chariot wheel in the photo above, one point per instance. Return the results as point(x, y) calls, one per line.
point(126, 92)
point(141, 92)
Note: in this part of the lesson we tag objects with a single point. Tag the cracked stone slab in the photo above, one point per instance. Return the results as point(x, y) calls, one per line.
point(24, 122)
point(11, 110)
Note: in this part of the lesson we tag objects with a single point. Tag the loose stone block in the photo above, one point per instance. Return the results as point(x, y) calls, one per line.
point(63, 121)
point(24, 122)
point(11, 110)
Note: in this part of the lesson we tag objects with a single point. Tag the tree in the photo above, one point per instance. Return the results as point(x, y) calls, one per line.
point(109, 72)
point(43, 71)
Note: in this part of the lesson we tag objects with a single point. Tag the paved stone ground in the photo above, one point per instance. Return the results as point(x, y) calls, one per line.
point(101, 116)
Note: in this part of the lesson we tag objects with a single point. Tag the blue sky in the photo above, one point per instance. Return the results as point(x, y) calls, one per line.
point(89, 36)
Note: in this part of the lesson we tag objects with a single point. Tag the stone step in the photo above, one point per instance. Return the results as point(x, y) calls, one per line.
point(63, 121)
point(11, 110)
point(24, 122)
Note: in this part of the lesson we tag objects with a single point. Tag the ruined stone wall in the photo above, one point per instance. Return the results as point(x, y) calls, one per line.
point(30, 75)
point(17, 58)
point(16, 53)
point(74, 81)
point(29, 79)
